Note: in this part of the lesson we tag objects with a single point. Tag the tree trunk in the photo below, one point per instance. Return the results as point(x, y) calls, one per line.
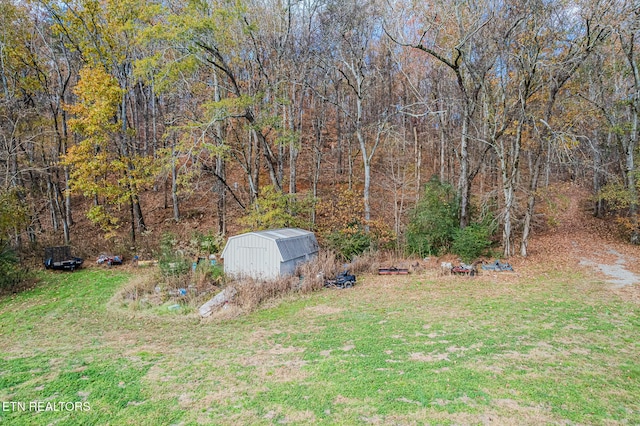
point(220, 170)
point(630, 149)
point(175, 200)
point(631, 179)
point(254, 158)
point(317, 157)
point(367, 179)
point(418, 161)
point(443, 144)
point(133, 220)
point(222, 195)
point(51, 202)
point(65, 224)
point(464, 186)
point(531, 202)
point(136, 210)
point(509, 157)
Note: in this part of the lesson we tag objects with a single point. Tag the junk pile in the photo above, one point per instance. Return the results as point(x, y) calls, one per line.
point(497, 266)
point(464, 269)
point(109, 260)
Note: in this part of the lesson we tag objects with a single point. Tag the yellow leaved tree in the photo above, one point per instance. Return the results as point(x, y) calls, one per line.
point(101, 167)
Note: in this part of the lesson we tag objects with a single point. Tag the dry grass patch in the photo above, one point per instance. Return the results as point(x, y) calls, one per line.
point(309, 277)
point(367, 263)
point(252, 292)
point(322, 310)
point(431, 357)
point(314, 273)
point(277, 364)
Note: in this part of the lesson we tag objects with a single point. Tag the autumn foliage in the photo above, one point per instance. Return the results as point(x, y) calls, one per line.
point(324, 115)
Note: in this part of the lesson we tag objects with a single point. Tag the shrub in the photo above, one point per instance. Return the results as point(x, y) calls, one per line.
point(349, 242)
point(202, 245)
point(11, 273)
point(474, 240)
point(343, 230)
point(13, 215)
point(171, 261)
point(206, 274)
point(434, 221)
point(617, 202)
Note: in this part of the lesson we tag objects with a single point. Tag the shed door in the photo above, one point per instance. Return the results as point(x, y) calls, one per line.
point(255, 261)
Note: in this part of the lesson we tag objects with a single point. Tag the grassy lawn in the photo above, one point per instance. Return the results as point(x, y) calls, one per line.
point(544, 349)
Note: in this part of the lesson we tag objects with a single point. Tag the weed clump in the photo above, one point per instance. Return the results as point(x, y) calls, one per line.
point(309, 277)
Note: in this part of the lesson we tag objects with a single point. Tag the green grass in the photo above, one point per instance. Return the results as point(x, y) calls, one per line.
point(411, 350)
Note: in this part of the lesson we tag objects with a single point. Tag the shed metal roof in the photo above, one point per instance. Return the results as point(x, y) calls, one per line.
point(293, 248)
point(282, 233)
point(292, 242)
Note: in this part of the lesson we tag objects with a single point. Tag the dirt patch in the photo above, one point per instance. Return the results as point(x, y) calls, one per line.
point(630, 293)
point(277, 364)
point(432, 357)
point(503, 412)
point(575, 240)
point(340, 399)
point(615, 269)
point(280, 350)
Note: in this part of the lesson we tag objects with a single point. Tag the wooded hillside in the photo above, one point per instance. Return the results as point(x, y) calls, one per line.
point(324, 114)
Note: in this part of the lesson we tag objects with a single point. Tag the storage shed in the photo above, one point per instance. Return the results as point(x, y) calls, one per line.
point(268, 254)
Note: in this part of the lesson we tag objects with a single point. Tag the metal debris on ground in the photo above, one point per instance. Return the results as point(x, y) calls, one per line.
point(497, 266)
point(393, 271)
point(464, 269)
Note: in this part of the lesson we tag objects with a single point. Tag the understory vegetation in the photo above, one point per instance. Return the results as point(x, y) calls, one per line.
point(433, 226)
point(13, 274)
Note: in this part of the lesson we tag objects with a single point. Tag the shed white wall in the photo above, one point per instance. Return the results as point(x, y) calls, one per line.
point(268, 254)
point(253, 256)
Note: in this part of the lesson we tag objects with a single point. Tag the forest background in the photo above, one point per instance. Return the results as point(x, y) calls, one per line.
point(375, 123)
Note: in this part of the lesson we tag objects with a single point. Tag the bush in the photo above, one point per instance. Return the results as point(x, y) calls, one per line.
point(171, 261)
point(617, 202)
point(434, 221)
point(349, 243)
point(12, 274)
point(474, 240)
point(206, 274)
point(202, 245)
point(340, 224)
